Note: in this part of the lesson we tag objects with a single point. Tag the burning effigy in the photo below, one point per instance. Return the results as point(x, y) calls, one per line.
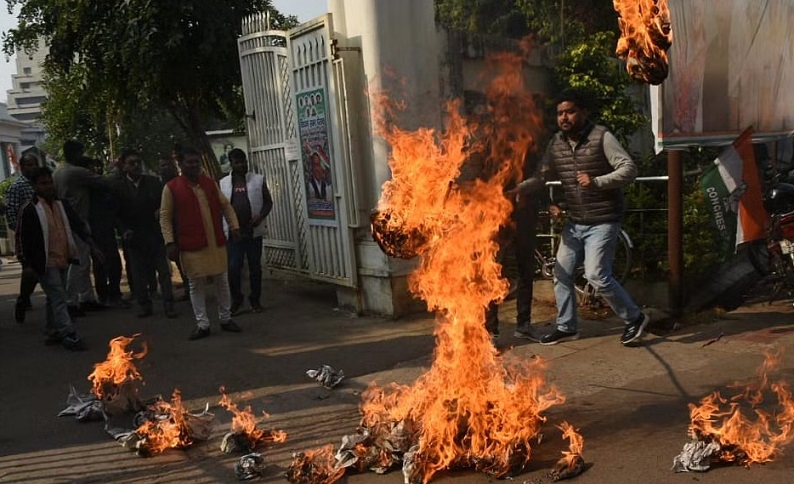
point(117, 381)
point(473, 408)
point(645, 37)
point(740, 429)
point(246, 435)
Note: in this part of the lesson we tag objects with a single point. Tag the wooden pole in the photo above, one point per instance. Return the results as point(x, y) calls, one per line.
point(675, 231)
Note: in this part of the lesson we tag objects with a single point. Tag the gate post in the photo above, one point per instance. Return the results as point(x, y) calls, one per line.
point(384, 37)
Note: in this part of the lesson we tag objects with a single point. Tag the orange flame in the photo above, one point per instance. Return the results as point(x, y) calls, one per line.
point(245, 422)
point(645, 36)
point(314, 467)
point(118, 368)
point(472, 408)
point(576, 442)
point(169, 429)
point(747, 439)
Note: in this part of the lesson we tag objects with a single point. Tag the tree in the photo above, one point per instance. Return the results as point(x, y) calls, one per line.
point(549, 21)
point(117, 56)
point(590, 66)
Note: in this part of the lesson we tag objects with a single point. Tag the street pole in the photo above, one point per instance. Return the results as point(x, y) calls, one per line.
point(675, 231)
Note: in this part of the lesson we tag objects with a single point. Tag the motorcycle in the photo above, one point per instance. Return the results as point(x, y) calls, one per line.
point(762, 270)
point(779, 204)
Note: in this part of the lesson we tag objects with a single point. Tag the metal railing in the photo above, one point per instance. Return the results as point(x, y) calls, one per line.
point(641, 259)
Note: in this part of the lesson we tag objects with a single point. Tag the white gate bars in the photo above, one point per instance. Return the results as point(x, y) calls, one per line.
point(295, 138)
point(268, 104)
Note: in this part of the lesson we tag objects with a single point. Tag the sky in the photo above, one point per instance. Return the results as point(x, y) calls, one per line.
point(303, 9)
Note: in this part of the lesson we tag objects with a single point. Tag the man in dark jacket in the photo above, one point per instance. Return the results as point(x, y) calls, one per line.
point(593, 168)
point(46, 245)
point(75, 183)
point(18, 194)
point(139, 213)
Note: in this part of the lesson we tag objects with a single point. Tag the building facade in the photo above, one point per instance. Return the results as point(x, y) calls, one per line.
point(10, 143)
point(27, 94)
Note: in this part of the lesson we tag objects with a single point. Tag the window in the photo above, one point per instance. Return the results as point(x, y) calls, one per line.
point(26, 102)
point(27, 70)
point(26, 116)
point(24, 85)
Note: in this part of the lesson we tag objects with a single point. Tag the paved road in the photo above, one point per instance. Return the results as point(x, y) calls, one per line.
point(629, 403)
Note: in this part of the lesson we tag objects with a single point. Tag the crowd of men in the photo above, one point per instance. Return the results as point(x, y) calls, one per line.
point(72, 224)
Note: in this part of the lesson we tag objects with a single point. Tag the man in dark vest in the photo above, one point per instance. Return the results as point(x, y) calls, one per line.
point(593, 168)
point(190, 219)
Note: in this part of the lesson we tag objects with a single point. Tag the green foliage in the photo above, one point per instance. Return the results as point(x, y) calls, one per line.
point(111, 60)
point(548, 21)
point(646, 217)
point(590, 67)
point(73, 113)
point(4, 186)
point(489, 17)
point(700, 235)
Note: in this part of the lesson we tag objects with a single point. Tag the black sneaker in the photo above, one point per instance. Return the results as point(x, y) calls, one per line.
point(634, 330)
point(72, 342)
point(529, 335)
point(236, 308)
point(231, 327)
point(199, 333)
point(558, 337)
point(19, 312)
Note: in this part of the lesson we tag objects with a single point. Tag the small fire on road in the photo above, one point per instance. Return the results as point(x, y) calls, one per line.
point(745, 428)
point(167, 426)
point(245, 431)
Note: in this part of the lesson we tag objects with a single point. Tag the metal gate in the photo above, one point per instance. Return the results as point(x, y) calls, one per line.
point(294, 128)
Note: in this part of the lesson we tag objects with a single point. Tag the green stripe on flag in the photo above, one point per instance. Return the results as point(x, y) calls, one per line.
point(723, 218)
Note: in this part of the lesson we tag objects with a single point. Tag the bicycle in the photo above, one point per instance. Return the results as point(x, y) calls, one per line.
point(549, 229)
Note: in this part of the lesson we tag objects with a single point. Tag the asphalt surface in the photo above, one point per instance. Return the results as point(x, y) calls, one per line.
point(630, 404)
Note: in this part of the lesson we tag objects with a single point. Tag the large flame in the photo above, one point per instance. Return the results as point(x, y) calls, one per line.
point(645, 37)
point(244, 421)
point(472, 408)
point(747, 434)
point(169, 428)
point(118, 367)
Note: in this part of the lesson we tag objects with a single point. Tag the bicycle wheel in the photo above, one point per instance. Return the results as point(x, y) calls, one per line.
point(620, 269)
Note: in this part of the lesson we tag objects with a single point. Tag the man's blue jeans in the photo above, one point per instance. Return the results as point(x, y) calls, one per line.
point(53, 282)
point(595, 244)
point(245, 248)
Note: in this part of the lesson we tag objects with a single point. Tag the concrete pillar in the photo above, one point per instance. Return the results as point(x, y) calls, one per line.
point(400, 52)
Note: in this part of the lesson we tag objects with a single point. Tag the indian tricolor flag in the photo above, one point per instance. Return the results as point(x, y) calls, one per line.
point(733, 190)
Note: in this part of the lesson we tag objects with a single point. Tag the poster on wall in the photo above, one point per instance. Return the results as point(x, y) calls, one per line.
point(731, 67)
point(314, 135)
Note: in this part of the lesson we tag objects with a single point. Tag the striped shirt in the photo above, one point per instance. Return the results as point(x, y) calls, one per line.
point(18, 194)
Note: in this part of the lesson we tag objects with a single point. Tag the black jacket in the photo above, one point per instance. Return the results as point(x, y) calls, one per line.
point(30, 243)
point(137, 207)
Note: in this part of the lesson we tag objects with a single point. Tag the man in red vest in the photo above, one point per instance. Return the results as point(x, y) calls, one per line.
point(190, 219)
